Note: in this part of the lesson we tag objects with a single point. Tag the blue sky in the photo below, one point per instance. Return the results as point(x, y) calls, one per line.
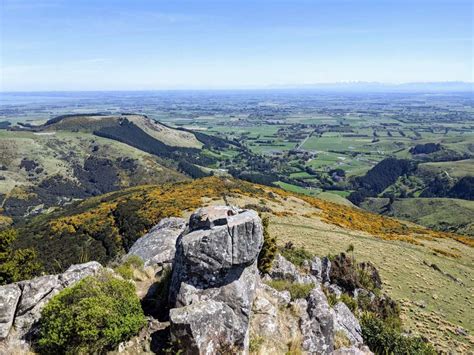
point(167, 44)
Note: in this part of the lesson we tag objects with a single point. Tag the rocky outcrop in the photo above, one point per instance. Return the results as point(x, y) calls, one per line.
point(318, 328)
point(214, 279)
point(21, 303)
point(282, 269)
point(346, 322)
point(158, 246)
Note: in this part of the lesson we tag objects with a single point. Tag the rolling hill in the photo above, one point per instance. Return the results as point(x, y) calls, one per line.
point(77, 156)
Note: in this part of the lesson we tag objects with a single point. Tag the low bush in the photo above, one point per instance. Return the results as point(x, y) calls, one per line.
point(295, 255)
point(125, 269)
point(93, 316)
point(383, 338)
point(349, 301)
point(341, 340)
point(255, 344)
point(296, 290)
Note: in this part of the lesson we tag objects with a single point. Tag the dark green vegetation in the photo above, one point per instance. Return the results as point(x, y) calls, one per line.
point(385, 339)
point(16, 264)
point(93, 316)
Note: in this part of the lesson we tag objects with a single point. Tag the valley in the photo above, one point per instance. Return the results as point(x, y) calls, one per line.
point(315, 143)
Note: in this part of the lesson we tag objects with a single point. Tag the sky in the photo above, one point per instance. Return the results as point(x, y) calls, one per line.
point(49, 45)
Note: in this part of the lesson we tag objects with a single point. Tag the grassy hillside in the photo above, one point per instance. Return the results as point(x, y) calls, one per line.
point(445, 214)
point(58, 159)
point(429, 272)
point(73, 157)
point(456, 169)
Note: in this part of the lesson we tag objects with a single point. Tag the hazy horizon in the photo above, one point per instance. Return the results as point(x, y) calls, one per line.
point(56, 45)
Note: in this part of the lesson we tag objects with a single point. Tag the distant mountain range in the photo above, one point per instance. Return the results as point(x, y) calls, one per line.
point(362, 86)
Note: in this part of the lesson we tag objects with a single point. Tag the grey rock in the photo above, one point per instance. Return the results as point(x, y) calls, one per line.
point(361, 292)
point(326, 269)
point(215, 264)
point(158, 246)
point(206, 327)
point(282, 269)
point(346, 321)
point(335, 290)
point(35, 294)
point(35, 291)
point(9, 296)
point(79, 271)
point(316, 268)
point(318, 327)
point(283, 297)
point(38, 291)
point(210, 217)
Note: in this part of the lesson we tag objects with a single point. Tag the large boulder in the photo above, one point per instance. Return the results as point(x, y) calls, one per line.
point(346, 322)
point(9, 296)
point(215, 265)
point(158, 246)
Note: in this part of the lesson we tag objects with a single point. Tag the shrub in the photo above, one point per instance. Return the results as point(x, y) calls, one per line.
point(349, 301)
point(16, 265)
point(132, 262)
point(269, 248)
point(341, 340)
point(295, 255)
point(349, 275)
point(382, 338)
point(92, 316)
point(296, 290)
point(331, 297)
point(255, 344)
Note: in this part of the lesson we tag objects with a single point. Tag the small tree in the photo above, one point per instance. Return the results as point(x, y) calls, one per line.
point(269, 249)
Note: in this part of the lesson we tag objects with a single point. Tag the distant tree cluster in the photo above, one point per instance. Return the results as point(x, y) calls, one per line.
point(427, 148)
point(379, 178)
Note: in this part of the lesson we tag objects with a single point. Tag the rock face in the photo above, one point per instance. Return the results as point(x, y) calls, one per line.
point(318, 328)
point(9, 296)
point(282, 269)
point(214, 279)
point(346, 322)
point(21, 303)
point(158, 246)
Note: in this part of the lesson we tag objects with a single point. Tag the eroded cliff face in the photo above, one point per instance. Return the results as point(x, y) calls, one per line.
point(218, 302)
